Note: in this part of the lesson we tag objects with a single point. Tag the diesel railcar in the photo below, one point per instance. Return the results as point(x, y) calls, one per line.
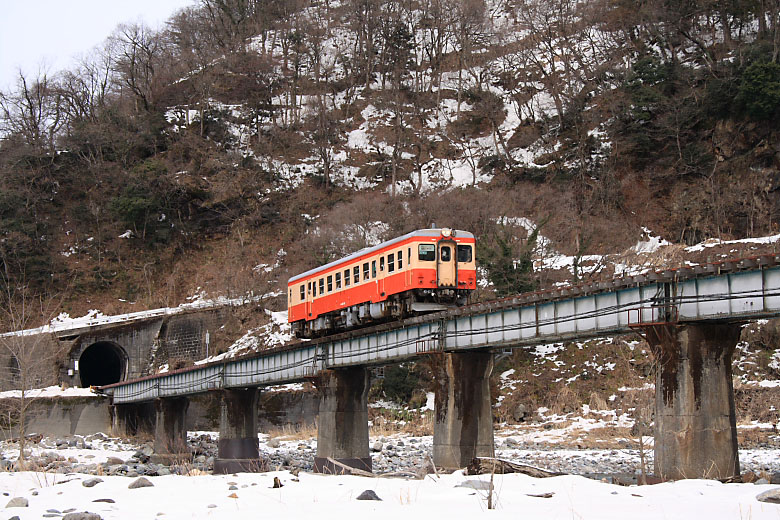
point(423, 271)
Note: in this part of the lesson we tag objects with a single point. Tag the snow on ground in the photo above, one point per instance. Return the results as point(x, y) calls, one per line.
point(49, 391)
point(712, 242)
point(251, 495)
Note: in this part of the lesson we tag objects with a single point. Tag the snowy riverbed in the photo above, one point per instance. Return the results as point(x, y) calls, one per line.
point(172, 496)
point(252, 495)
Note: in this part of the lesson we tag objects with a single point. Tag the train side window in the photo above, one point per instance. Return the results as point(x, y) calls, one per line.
point(309, 287)
point(391, 262)
point(330, 283)
point(289, 297)
point(427, 252)
point(400, 260)
point(356, 273)
point(464, 253)
point(409, 256)
point(346, 277)
point(373, 269)
point(365, 271)
point(382, 263)
point(322, 286)
point(303, 292)
point(338, 281)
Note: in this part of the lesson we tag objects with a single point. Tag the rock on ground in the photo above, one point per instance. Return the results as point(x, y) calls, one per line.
point(140, 482)
point(82, 516)
point(772, 496)
point(368, 494)
point(18, 502)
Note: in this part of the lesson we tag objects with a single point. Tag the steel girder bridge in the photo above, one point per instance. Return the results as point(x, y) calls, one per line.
point(728, 291)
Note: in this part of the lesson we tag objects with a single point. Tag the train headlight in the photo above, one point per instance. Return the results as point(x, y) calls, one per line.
point(445, 232)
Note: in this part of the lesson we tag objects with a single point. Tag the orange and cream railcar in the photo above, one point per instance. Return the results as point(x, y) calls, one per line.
point(422, 271)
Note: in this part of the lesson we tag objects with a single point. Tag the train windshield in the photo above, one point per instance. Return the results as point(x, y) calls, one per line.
point(427, 252)
point(464, 253)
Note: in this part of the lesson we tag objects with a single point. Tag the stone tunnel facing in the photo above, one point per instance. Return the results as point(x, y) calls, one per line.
point(102, 363)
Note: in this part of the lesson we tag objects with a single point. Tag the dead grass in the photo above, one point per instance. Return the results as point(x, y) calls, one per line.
point(414, 423)
point(597, 402)
point(294, 432)
point(566, 401)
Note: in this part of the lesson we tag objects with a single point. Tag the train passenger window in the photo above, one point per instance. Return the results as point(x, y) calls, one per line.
point(346, 277)
point(338, 280)
point(400, 260)
point(309, 289)
point(289, 297)
point(427, 252)
point(330, 283)
point(409, 256)
point(365, 271)
point(373, 269)
point(303, 292)
point(391, 262)
point(382, 263)
point(356, 273)
point(464, 253)
point(446, 253)
point(322, 286)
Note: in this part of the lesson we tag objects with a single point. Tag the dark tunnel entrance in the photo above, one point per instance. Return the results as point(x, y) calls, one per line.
point(101, 363)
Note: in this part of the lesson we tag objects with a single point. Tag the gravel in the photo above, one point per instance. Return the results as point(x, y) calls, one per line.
point(395, 454)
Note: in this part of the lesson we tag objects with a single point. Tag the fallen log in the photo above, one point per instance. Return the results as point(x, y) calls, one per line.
point(349, 470)
point(482, 465)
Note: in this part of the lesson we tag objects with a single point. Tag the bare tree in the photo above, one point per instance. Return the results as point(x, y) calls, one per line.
point(31, 357)
point(139, 62)
point(33, 111)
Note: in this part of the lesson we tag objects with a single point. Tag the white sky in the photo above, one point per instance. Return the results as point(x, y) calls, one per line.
point(52, 34)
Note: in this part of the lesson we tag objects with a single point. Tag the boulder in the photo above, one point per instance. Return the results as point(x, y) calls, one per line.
point(82, 516)
point(772, 496)
point(519, 413)
point(18, 502)
point(140, 482)
point(368, 494)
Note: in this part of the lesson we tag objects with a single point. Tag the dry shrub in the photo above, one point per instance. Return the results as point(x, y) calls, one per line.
point(597, 402)
point(757, 403)
point(566, 401)
point(294, 432)
point(413, 423)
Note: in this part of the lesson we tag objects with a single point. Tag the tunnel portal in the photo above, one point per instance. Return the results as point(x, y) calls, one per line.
point(102, 363)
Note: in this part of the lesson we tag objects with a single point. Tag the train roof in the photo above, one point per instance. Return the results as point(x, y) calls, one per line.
point(436, 232)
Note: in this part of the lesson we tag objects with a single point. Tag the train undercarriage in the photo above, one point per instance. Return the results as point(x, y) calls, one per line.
point(395, 307)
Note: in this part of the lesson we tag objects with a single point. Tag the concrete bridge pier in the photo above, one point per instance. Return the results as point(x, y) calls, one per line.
point(464, 419)
point(238, 432)
point(695, 419)
point(128, 420)
point(342, 424)
point(170, 430)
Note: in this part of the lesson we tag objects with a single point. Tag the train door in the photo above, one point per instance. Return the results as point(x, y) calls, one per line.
point(309, 298)
point(446, 266)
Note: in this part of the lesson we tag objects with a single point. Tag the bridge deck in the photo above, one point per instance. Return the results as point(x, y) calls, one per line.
point(735, 290)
